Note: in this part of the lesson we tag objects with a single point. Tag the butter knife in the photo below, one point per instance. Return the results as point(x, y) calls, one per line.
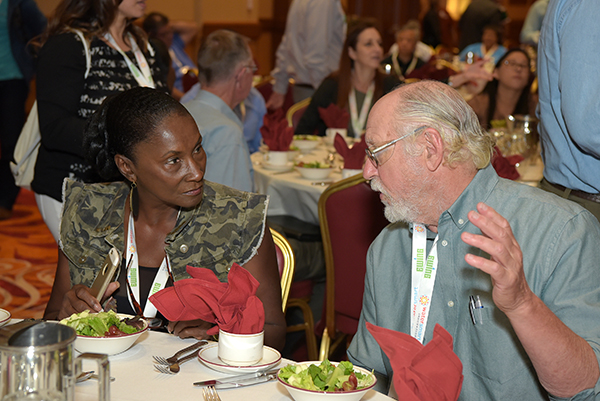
point(239, 380)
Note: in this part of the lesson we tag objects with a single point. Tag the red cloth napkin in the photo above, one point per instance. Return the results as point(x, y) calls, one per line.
point(354, 157)
point(276, 132)
point(432, 70)
point(430, 372)
point(233, 306)
point(334, 116)
point(505, 166)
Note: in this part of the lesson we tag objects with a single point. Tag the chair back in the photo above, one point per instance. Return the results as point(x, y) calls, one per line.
point(285, 263)
point(294, 113)
point(351, 216)
point(189, 79)
point(265, 87)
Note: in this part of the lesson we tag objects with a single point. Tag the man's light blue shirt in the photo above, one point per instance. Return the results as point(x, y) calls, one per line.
point(228, 158)
point(530, 33)
point(561, 256)
point(476, 49)
point(569, 94)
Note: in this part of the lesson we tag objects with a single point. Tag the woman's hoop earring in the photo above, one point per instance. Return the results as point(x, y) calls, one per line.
point(133, 203)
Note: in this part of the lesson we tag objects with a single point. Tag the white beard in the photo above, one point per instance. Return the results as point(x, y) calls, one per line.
point(396, 210)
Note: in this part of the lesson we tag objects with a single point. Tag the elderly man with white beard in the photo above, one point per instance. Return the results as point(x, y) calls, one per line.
point(530, 257)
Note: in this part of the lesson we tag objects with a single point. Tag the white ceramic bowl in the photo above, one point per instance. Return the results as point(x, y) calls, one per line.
point(108, 345)
point(300, 394)
point(306, 143)
point(313, 173)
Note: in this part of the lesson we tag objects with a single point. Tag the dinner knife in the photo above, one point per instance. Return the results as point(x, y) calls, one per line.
point(244, 383)
point(248, 377)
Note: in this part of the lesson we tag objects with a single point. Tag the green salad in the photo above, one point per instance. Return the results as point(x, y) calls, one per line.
point(326, 377)
point(313, 165)
point(306, 137)
point(102, 324)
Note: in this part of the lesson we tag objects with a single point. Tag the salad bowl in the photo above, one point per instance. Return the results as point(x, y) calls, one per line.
point(314, 170)
point(366, 382)
point(106, 345)
point(306, 143)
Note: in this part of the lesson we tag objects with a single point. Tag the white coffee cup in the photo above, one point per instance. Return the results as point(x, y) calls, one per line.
point(276, 157)
point(240, 349)
point(331, 132)
point(349, 172)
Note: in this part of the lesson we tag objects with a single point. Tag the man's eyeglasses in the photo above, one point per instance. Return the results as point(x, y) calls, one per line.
point(515, 65)
point(252, 67)
point(379, 160)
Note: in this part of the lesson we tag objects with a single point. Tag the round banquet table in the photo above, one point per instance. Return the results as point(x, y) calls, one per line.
point(291, 194)
point(137, 380)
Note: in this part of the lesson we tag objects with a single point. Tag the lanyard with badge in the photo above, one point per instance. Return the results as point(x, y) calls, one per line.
point(133, 274)
point(358, 121)
point(409, 69)
point(423, 272)
point(143, 77)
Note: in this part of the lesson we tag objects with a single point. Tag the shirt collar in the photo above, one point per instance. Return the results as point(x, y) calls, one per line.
point(478, 190)
point(216, 102)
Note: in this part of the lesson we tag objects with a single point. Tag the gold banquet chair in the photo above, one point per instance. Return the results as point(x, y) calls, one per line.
point(295, 112)
point(285, 263)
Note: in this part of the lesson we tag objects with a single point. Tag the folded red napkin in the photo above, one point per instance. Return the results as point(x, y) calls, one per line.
point(276, 132)
point(505, 166)
point(430, 372)
point(334, 116)
point(354, 157)
point(233, 306)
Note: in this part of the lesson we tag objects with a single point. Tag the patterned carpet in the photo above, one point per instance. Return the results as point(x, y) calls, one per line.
point(28, 257)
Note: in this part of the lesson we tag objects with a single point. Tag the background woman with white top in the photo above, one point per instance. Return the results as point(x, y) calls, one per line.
point(70, 87)
point(356, 86)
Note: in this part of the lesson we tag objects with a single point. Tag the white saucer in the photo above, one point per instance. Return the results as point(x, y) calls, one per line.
point(4, 317)
point(278, 167)
point(209, 356)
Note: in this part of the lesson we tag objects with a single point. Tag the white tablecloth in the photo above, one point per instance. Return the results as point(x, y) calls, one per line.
point(136, 379)
point(289, 193)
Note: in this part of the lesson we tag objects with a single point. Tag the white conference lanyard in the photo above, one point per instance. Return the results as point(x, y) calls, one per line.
point(358, 121)
point(490, 52)
point(143, 77)
point(423, 271)
point(133, 273)
point(409, 69)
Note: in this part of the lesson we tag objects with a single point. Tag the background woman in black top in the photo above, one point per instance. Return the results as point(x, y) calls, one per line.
point(357, 76)
point(67, 94)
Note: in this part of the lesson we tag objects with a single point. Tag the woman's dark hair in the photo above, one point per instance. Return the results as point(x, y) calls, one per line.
point(92, 17)
point(491, 88)
point(154, 22)
point(343, 74)
point(497, 29)
point(122, 121)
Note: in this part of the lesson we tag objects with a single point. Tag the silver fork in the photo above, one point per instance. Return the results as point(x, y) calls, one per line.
point(174, 358)
point(210, 394)
point(174, 367)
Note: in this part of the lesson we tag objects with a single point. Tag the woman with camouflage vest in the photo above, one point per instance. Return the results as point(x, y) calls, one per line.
point(163, 216)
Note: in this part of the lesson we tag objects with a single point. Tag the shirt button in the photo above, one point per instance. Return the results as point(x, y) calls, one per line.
point(451, 303)
point(460, 221)
point(183, 248)
point(444, 243)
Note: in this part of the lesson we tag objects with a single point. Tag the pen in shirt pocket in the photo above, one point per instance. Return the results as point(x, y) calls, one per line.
point(475, 307)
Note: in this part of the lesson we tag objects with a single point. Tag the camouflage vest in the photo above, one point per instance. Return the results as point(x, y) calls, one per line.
point(226, 227)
